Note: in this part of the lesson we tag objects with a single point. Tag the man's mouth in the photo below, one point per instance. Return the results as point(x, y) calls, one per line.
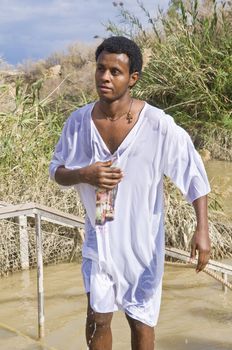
point(104, 88)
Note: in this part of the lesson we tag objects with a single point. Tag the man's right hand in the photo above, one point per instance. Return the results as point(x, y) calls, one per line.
point(99, 174)
point(102, 175)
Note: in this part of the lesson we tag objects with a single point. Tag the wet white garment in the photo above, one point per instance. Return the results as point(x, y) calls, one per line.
point(129, 251)
point(103, 291)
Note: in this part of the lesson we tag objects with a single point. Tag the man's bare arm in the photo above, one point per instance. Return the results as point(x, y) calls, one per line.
point(200, 240)
point(99, 174)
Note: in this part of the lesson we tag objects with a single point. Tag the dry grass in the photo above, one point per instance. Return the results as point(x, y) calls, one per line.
point(181, 223)
point(217, 140)
point(59, 245)
point(62, 244)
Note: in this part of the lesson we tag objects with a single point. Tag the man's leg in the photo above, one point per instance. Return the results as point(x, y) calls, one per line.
point(98, 330)
point(142, 335)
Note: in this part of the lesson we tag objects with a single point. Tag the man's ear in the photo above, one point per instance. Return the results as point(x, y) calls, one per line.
point(134, 77)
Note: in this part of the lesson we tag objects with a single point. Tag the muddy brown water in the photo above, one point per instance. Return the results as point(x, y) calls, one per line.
point(220, 176)
point(195, 313)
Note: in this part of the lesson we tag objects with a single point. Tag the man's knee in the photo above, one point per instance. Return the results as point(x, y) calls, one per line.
point(138, 326)
point(99, 320)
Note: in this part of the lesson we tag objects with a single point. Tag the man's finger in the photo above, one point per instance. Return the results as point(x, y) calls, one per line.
point(108, 163)
point(112, 170)
point(107, 186)
point(109, 182)
point(112, 176)
point(202, 261)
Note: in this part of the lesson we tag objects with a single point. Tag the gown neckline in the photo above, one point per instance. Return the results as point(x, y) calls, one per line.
point(127, 139)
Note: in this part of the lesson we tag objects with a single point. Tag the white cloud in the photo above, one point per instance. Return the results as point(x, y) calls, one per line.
point(36, 28)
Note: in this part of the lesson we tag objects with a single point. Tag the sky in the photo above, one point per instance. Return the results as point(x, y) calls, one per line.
point(34, 29)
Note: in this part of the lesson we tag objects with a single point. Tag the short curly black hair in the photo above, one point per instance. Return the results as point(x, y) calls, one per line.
point(121, 44)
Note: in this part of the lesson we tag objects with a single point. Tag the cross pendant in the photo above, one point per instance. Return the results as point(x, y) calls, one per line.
point(129, 117)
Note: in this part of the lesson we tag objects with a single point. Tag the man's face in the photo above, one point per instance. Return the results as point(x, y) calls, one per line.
point(112, 76)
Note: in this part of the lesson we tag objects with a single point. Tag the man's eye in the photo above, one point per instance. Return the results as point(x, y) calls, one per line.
point(115, 72)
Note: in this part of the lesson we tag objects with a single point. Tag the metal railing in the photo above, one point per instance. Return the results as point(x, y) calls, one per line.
point(39, 213)
point(224, 269)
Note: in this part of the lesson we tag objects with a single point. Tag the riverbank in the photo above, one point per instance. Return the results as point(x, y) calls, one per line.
point(212, 141)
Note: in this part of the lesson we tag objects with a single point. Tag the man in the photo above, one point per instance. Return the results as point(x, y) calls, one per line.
point(115, 152)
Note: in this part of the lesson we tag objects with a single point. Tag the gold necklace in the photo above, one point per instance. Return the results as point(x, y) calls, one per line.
point(128, 114)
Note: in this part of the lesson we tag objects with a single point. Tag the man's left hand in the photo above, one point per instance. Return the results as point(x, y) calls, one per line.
point(200, 242)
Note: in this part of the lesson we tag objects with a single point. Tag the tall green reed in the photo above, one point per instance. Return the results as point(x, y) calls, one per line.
point(189, 73)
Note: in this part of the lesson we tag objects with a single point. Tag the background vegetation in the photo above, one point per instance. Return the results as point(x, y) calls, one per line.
point(187, 72)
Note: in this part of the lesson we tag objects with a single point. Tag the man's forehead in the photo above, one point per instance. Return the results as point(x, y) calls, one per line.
point(116, 58)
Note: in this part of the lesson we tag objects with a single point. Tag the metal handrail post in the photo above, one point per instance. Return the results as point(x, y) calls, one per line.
point(225, 278)
point(40, 287)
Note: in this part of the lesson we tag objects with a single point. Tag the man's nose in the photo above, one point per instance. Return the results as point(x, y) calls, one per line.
point(106, 75)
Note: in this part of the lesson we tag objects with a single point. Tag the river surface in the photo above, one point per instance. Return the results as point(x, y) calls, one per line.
point(195, 313)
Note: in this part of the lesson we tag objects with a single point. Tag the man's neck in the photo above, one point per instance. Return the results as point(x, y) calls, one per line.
point(117, 107)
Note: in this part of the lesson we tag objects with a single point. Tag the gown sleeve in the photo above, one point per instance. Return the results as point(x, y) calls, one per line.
point(65, 150)
point(183, 164)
